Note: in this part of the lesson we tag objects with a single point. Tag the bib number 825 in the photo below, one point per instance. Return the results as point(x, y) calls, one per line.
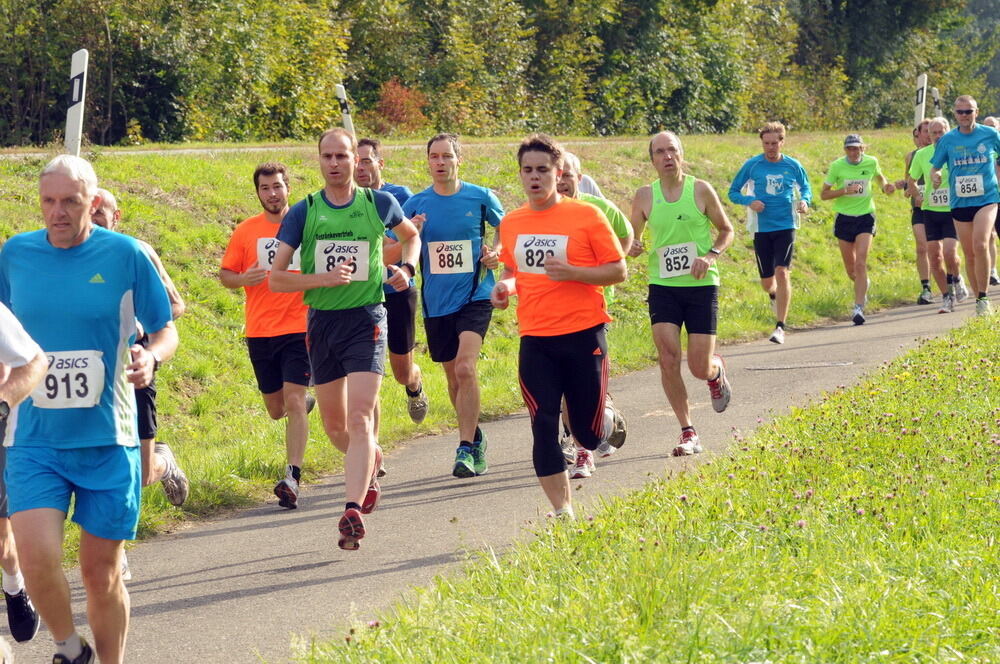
point(334, 261)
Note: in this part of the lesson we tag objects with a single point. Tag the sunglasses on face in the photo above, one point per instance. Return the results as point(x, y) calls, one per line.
point(964, 111)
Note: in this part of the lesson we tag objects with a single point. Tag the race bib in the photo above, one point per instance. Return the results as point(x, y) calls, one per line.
point(940, 198)
point(331, 253)
point(75, 380)
point(969, 186)
point(677, 259)
point(450, 257)
point(267, 248)
point(533, 250)
point(851, 183)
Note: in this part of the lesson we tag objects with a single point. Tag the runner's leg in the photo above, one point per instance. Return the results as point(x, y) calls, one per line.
point(39, 536)
point(463, 383)
point(667, 339)
point(107, 598)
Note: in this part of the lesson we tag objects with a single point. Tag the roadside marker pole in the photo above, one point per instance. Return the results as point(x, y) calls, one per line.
point(345, 110)
point(920, 100)
point(77, 96)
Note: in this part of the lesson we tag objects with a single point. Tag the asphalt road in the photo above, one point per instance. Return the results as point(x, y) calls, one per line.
point(248, 587)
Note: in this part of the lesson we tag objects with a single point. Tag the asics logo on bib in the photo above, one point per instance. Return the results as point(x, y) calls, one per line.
point(68, 362)
point(539, 242)
point(270, 244)
point(441, 248)
point(675, 251)
point(340, 249)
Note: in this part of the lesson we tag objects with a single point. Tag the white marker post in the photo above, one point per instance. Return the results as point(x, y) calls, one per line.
point(937, 102)
point(921, 99)
point(345, 110)
point(77, 96)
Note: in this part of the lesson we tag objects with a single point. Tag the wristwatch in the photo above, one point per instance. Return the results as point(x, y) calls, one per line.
point(4, 411)
point(156, 361)
point(413, 270)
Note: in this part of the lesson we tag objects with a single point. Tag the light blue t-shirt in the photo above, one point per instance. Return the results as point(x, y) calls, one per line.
point(774, 185)
point(80, 305)
point(972, 179)
point(402, 194)
point(452, 244)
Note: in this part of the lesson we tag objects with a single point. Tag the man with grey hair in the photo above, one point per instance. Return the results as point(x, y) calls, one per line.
point(158, 462)
point(78, 290)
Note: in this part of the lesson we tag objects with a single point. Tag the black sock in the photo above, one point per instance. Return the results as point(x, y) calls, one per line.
point(982, 295)
point(413, 394)
point(773, 296)
point(687, 428)
point(781, 324)
point(352, 506)
point(926, 283)
point(465, 443)
point(950, 278)
point(296, 473)
point(478, 436)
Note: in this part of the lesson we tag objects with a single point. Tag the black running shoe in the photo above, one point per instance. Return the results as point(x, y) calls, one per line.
point(21, 616)
point(86, 657)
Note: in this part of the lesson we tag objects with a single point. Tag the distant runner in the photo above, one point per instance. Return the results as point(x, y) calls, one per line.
point(557, 253)
point(683, 278)
point(970, 151)
point(848, 184)
point(275, 330)
point(340, 229)
point(456, 269)
point(777, 193)
point(924, 271)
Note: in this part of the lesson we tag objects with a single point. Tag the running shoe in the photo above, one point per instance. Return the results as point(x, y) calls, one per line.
point(858, 315)
point(374, 493)
point(983, 307)
point(947, 304)
point(774, 306)
point(126, 570)
point(568, 447)
point(174, 481)
point(416, 405)
point(604, 450)
point(778, 336)
point(926, 297)
point(465, 465)
point(310, 403)
point(719, 388)
point(21, 616)
point(479, 455)
point(994, 278)
point(86, 657)
point(619, 427)
point(584, 465)
point(961, 292)
point(688, 444)
point(287, 490)
point(352, 530)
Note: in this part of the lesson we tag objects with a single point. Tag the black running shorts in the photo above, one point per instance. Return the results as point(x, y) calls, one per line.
point(939, 225)
point(279, 360)
point(443, 331)
point(400, 312)
point(773, 249)
point(848, 228)
point(346, 341)
point(695, 308)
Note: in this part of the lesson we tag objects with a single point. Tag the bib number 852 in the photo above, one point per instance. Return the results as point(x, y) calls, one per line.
point(677, 263)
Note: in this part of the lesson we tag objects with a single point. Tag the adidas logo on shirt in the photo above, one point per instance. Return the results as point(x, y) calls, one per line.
point(97, 279)
point(469, 214)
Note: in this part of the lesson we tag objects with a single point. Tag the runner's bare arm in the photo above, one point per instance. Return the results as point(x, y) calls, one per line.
point(642, 203)
point(20, 381)
point(253, 276)
point(708, 202)
point(409, 240)
point(505, 287)
point(162, 344)
point(177, 306)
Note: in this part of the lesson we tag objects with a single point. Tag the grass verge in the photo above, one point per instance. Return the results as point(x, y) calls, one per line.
point(862, 528)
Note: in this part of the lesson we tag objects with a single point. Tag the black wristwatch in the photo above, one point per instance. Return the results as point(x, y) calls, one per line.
point(413, 270)
point(157, 362)
point(4, 411)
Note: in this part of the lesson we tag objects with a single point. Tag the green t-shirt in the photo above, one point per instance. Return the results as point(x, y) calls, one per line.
point(619, 224)
point(936, 200)
point(337, 235)
point(680, 233)
point(843, 173)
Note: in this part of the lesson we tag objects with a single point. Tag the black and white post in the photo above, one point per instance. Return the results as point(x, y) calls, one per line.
point(77, 97)
point(345, 109)
point(936, 96)
point(921, 99)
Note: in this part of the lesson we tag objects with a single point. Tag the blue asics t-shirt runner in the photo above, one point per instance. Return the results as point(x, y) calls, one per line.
point(80, 305)
point(774, 185)
point(452, 243)
point(972, 178)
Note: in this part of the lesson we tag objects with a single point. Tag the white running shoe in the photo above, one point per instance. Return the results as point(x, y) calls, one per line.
point(983, 307)
point(994, 278)
point(126, 572)
point(174, 481)
point(778, 336)
point(926, 297)
point(947, 304)
point(584, 466)
point(961, 292)
point(568, 447)
point(688, 444)
point(858, 315)
point(719, 388)
point(416, 405)
point(287, 490)
point(605, 449)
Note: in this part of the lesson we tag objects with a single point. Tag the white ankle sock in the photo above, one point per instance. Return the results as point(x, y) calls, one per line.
point(71, 647)
point(13, 583)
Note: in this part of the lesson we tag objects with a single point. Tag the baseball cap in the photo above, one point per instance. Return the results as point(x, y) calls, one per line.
point(853, 140)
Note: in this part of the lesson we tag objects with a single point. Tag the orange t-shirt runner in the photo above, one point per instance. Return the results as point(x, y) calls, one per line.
point(268, 314)
point(579, 234)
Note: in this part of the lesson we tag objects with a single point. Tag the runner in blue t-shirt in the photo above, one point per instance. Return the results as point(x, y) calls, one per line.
point(456, 267)
point(970, 151)
point(78, 290)
point(776, 192)
point(400, 306)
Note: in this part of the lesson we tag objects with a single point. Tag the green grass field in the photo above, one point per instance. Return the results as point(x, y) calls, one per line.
point(862, 528)
point(186, 205)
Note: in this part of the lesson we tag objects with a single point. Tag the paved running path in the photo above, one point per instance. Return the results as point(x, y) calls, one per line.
point(244, 588)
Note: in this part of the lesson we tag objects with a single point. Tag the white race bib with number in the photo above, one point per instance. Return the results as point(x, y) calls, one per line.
point(331, 253)
point(75, 380)
point(267, 248)
point(849, 184)
point(450, 257)
point(677, 259)
point(940, 198)
point(969, 186)
point(532, 251)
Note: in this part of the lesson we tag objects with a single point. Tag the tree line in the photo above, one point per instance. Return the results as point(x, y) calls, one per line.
point(180, 70)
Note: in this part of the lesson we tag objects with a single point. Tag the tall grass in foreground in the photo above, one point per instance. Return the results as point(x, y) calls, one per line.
point(863, 528)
